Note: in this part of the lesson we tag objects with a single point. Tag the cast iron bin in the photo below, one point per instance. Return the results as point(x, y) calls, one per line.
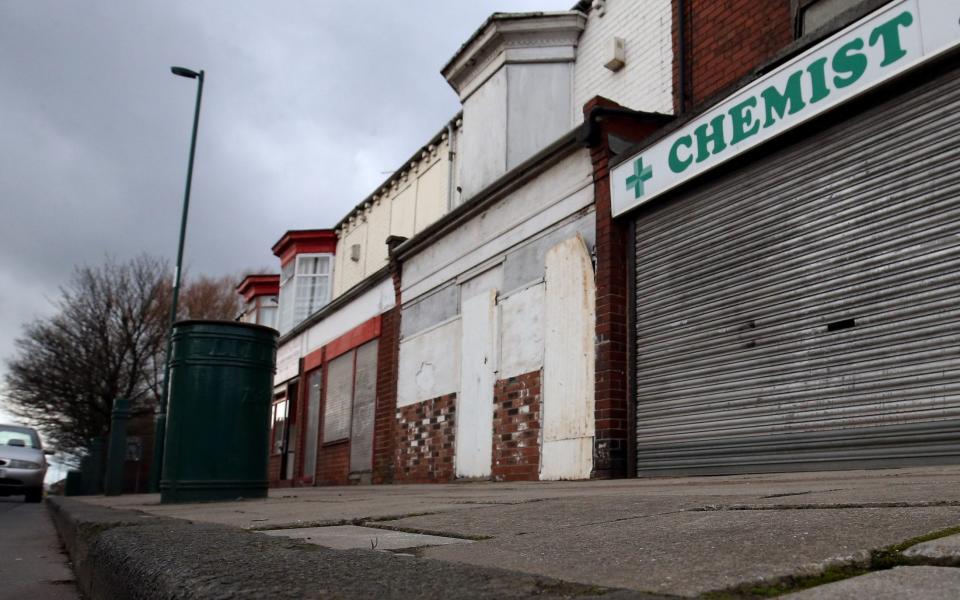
point(221, 382)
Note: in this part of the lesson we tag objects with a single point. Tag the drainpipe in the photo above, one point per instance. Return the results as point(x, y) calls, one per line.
point(451, 129)
point(682, 55)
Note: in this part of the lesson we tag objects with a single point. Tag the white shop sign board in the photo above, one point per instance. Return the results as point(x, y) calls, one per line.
point(882, 45)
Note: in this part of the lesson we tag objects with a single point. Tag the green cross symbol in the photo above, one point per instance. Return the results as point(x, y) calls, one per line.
point(640, 174)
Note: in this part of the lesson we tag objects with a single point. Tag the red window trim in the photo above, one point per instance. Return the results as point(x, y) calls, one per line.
point(356, 337)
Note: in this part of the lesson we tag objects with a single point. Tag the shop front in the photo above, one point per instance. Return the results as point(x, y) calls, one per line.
point(797, 262)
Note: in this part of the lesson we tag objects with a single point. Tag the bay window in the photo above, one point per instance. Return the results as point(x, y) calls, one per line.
point(305, 287)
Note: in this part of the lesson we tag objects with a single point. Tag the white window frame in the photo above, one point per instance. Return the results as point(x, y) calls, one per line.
point(290, 314)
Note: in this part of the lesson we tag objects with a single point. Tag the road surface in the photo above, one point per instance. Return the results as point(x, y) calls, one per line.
point(32, 564)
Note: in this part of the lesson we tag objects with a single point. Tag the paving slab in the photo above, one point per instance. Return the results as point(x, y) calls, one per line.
point(942, 549)
point(689, 553)
point(164, 559)
point(681, 535)
point(345, 537)
point(901, 583)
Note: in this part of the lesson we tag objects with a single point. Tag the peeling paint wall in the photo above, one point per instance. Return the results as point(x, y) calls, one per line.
point(546, 202)
point(521, 333)
point(440, 305)
point(429, 364)
point(513, 260)
point(568, 370)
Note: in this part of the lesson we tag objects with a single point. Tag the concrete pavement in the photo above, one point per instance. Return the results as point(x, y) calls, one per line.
point(32, 564)
point(900, 583)
point(675, 536)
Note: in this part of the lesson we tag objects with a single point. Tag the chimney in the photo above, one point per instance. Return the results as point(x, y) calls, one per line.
point(514, 77)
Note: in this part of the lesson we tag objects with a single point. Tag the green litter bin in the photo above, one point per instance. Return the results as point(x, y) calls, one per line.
point(217, 440)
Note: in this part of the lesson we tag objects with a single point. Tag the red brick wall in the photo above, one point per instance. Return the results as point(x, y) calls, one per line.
point(726, 40)
point(333, 463)
point(273, 469)
point(516, 428)
point(425, 441)
point(385, 418)
point(136, 475)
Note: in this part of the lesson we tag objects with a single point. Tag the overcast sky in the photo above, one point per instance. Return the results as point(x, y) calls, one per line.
point(306, 104)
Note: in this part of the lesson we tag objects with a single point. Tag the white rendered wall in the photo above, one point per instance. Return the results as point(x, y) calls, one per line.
point(546, 200)
point(403, 209)
point(503, 252)
point(521, 332)
point(288, 359)
point(646, 81)
point(378, 230)
point(429, 364)
point(538, 108)
point(407, 204)
point(483, 146)
point(348, 270)
point(373, 302)
point(432, 197)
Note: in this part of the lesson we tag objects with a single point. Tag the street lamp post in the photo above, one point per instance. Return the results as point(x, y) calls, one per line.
point(161, 428)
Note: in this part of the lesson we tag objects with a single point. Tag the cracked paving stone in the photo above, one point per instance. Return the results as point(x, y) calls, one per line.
point(901, 583)
point(945, 548)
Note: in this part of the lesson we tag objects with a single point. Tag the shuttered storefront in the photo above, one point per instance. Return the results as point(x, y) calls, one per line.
point(803, 311)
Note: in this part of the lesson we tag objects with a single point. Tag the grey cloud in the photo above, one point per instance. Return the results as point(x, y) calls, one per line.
point(306, 104)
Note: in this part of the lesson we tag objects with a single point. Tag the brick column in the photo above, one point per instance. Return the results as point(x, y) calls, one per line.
point(385, 420)
point(612, 405)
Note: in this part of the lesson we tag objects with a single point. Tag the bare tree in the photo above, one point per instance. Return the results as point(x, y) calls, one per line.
point(207, 297)
point(106, 341)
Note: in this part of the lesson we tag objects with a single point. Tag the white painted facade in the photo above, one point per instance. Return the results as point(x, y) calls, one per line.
point(494, 271)
point(645, 82)
point(429, 364)
point(547, 200)
point(413, 198)
point(515, 80)
point(509, 291)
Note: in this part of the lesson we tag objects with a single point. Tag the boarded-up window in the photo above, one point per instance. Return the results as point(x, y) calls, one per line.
point(336, 415)
point(364, 403)
point(314, 381)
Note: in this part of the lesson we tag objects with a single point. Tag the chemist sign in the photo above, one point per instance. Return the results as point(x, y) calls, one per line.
point(878, 47)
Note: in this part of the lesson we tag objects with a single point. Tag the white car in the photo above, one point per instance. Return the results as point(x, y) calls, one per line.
point(23, 463)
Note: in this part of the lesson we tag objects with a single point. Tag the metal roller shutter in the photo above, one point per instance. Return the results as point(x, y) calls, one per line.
point(803, 312)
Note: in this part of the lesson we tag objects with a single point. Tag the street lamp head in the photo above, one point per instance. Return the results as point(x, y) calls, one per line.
point(182, 72)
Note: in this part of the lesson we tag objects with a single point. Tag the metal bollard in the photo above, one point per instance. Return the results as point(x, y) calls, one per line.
point(117, 450)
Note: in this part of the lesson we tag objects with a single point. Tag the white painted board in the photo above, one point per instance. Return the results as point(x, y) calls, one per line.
point(568, 369)
point(474, 445)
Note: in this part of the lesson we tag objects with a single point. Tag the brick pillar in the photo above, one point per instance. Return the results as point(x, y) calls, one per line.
point(385, 421)
point(612, 405)
point(385, 417)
